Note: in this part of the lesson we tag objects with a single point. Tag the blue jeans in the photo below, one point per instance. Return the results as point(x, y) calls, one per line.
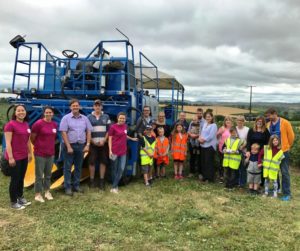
point(284, 167)
point(118, 166)
point(75, 158)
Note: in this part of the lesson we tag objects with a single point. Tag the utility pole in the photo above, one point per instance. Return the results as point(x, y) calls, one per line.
point(250, 107)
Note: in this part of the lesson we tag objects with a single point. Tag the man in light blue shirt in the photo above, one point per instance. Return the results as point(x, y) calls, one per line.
point(76, 133)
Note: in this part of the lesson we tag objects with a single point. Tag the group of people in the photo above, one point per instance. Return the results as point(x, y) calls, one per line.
point(252, 155)
point(94, 134)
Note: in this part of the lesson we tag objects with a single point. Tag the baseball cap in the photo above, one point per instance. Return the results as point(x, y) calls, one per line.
point(97, 102)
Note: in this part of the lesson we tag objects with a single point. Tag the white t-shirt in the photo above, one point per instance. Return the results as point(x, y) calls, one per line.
point(242, 133)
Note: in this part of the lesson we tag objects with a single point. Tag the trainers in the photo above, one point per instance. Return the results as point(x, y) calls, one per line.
point(274, 195)
point(22, 201)
point(102, 185)
point(17, 206)
point(286, 198)
point(92, 183)
point(148, 184)
point(39, 198)
point(251, 191)
point(265, 195)
point(176, 177)
point(256, 192)
point(114, 190)
point(180, 177)
point(68, 192)
point(78, 190)
point(48, 196)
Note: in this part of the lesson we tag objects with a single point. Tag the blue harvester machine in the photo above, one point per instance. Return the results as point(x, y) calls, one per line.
point(41, 79)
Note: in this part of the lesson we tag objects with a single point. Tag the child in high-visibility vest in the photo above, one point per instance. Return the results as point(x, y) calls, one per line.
point(179, 149)
point(146, 152)
point(253, 170)
point(272, 157)
point(161, 152)
point(232, 158)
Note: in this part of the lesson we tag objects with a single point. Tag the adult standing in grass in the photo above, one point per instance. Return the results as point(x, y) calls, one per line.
point(284, 130)
point(18, 153)
point(76, 133)
point(161, 122)
point(99, 147)
point(208, 141)
point(242, 132)
point(194, 145)
point(195, 162)
point(143, 121)
point(43, 138)
point(182, 120)
point(223, 134)
point(117, 144)
point(258, 134)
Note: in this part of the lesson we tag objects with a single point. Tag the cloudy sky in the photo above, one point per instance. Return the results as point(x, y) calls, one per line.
point(216, 49)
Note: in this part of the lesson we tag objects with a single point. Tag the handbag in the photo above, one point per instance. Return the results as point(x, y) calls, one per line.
point(4, 165)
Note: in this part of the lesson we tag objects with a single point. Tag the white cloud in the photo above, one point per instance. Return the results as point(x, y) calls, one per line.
point(216, 48)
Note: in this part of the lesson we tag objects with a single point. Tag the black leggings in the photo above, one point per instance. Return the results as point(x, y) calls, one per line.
point(208, 163)
point(17, 180)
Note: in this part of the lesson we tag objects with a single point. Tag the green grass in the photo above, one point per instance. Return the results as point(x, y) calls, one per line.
point(172, 215)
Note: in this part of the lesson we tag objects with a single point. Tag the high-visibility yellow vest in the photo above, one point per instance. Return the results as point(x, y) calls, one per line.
point(232, 160)
point(145, 159)
point(271, 164)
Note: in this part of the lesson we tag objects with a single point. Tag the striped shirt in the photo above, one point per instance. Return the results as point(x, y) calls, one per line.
point(100, 126)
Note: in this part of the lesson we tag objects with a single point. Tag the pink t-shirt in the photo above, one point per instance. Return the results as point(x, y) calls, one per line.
point(119, 139)
point(224, 136)
point(20, 136)
point(44, 144)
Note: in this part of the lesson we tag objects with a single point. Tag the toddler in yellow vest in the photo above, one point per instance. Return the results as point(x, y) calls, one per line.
point(232, 158)
point(272, 157)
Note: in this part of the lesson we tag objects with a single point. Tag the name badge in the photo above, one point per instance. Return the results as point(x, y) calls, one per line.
point(28, 130)
point(125, 131)
point(54, 130)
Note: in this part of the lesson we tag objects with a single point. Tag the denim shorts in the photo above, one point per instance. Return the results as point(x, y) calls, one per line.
point(145, 169)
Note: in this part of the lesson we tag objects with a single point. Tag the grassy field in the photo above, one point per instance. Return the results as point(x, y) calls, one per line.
point(217, 110)
point(172, 215)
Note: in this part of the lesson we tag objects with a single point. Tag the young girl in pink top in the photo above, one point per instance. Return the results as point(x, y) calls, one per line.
point(222, 134)
point(18, 153)
point(43, 138)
